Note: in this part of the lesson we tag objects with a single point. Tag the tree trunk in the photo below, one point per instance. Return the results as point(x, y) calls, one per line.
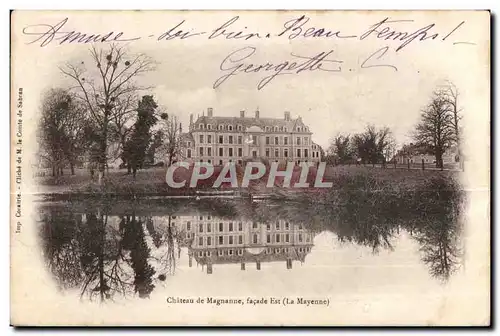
point(129, 168)
point(54, 169)
point(72, 166)
point(439, 159)
point(62, 171)
point(134, 172)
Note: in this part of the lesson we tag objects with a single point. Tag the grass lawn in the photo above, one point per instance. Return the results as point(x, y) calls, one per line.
point(152, 180)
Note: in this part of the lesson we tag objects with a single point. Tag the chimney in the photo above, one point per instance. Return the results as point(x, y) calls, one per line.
point(180, 128)
point(190, 120)
point(258, 265)
point(190, 260)
point(210, 112)
point(287, 116)
point(242, 265)
point(209, 268)
point(288, 263)
point(242, 114)
point(257, 114)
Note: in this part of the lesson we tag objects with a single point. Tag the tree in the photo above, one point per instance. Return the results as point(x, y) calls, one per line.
point(373, 146)
point(109, 78)
point(451, 94)
point(140, 140)
point(340, 149)
point(63, 129)
point(172, 140)
point(435, 129)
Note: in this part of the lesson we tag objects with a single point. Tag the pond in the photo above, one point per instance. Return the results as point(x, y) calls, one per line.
point(361, 243)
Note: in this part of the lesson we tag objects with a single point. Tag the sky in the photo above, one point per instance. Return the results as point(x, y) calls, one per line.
point(387, 89)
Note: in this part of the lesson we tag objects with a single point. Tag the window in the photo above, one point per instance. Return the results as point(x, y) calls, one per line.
point(277, 225)
point(221, 139)
point(306, 153)
point(287, 226)
point(287, 238)
point(230, 127)
point(268, 238)
point(267, 141)
point(268, 227)
point(281, 129)
point(209, 126)
point(240, 252)
point(188, 226)
point(201, 138)
point(200, 254)
point(202, 126)
point(221, 152)
point(220, 161)
point(230, 139)
point(230, 151)
point(285, 129)
point(267, 152)
point(220, 253)
point(306, 141)
point(201, 227)
point(254, 140)
point(276, 152)
point(300, 237)
point(231, 252)
point(240, 139)
point(276, 128)
point(230, 227)
point(189, 143)
point(298, 152)
point(254, 225)
point(276, 141)
point(201, 151)
point(254, 153)
point(240, 239)
point(285, 152)
point(298, 141)
point(209, 138)
point(189, 153)
point(221, 227)
point(230, 240)
point(221, 240)
point(240, 151)
point(221, 127)
point(200, 241)
point(240, 226)
point(209, 241)
point(278, 238)
point(209, 151)
point(239, 127)
point(255, 238)
point(209, 227)
point(285, 139)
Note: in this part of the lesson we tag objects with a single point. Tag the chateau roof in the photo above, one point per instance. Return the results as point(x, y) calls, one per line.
point(246, 122)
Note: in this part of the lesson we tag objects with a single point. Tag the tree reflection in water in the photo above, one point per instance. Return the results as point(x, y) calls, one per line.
point(125, 254)
point(102, 255)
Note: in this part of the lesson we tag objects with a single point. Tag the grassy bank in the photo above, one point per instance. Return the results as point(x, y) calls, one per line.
point(152, 182)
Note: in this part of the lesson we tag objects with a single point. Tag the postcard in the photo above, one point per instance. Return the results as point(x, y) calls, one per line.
point(250, 168)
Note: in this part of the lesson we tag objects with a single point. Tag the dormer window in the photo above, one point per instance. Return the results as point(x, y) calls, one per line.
point(240, 128)
point(202, 126)
point(285, 129)
point(209, 126)
point(276, 128)
point(299, 129)
point(281, 129)
point(221, 127)
point(230, 127)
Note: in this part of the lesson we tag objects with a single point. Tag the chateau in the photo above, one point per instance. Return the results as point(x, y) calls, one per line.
point(218, 140)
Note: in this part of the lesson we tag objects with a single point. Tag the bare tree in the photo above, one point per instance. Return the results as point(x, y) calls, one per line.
point(108, 79)
point(435, 129)
point(340, 149)
point(171, 147)
point(451, 94)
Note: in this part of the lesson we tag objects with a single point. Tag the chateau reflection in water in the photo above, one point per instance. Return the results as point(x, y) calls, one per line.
point(212, 241)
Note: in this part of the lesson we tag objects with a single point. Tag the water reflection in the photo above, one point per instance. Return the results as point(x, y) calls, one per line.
point(127, 248)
